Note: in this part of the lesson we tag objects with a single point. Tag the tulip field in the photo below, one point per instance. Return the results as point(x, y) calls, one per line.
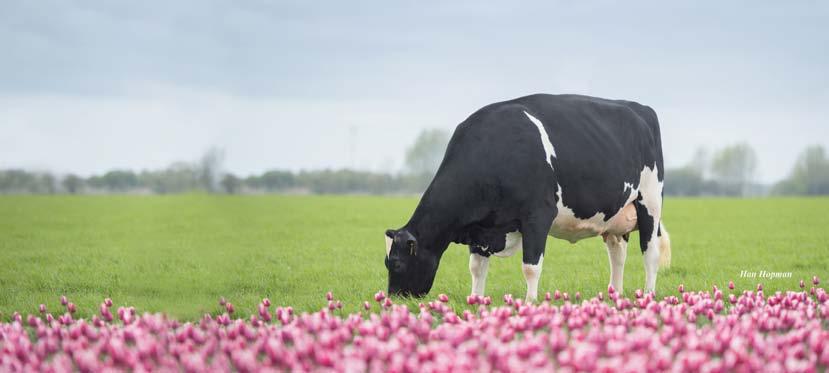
point(275, 283)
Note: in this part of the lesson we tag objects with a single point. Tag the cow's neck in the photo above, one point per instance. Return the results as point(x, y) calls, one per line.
point(434, 220)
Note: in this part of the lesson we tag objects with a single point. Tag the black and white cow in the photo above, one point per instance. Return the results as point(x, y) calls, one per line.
point(514, 172)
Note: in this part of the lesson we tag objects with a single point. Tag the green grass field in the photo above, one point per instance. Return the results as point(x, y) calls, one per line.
point(179, 254)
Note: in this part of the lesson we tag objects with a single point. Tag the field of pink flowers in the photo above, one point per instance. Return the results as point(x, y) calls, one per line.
point(716, 330)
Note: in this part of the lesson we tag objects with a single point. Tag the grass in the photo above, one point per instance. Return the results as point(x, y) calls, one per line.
point(179, 254)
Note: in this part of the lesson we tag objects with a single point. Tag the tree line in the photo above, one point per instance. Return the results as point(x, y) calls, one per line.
point(730, 171)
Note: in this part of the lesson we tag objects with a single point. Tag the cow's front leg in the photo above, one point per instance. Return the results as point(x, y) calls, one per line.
point(478, 266)
point(532, 273)
point(534, 238)
point(617, 252)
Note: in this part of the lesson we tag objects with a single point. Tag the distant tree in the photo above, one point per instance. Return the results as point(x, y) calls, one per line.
point(231, 184)
point(47, 183)
point(119, 180)
point(20, 181)
point(700, 162)
point(810, 174)
point(177, 178)
point(684, 181)
point(277, 180)
point(424, 156)
point(210, 168)
point(72, 184)
point(734, 167)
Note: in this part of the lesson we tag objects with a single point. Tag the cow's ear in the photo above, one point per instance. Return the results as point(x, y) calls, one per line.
point(390, 233)
point(412, 244)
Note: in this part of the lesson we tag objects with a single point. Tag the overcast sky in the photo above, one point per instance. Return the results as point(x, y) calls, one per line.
point(88, 87)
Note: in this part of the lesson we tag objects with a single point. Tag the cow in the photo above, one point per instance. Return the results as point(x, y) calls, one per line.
point(514, 172)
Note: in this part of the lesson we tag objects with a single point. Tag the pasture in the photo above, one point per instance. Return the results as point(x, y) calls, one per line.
point(180, 254)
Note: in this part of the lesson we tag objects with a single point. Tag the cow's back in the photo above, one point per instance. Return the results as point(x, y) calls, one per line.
point(601, 147)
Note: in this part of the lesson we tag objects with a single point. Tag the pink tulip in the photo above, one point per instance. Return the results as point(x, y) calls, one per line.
point(229, 308)
point(108, 302)
point(63, 300)
point(266, 302)
point(802, 284)
point(71, 307)
point(329, 296)
point(681, 288)
point(222, 301)
point(443, 298)
point(731, 285)
point(784, 331)
point(815, 280)
point(42, 308)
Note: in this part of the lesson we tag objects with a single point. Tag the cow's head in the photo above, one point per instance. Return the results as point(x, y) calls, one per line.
point(411, 268)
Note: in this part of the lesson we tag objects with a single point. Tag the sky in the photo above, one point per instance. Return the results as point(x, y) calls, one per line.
point(94, 86)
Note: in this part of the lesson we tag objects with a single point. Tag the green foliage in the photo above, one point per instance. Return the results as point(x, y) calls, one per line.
point(20, 181)
point(425, 155)
point(810, 175)
point(179, 254)
point(735, 166)
point(730, 172)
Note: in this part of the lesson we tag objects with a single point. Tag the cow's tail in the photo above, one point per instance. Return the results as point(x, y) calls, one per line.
point(664, 247)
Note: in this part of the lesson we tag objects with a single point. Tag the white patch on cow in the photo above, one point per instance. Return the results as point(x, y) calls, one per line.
point(478, 266)
point(651, 189)
point(513, 242)
point(532, 273)
point(388, 246)
point(549, 151)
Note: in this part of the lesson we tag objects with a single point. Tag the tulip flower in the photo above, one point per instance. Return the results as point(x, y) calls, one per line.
point(784, 331)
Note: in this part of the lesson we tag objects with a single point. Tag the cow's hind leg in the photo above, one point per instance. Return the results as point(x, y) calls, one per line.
point(478, 266)
point(617, 249)
point(648, 214)
point(534, 230)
